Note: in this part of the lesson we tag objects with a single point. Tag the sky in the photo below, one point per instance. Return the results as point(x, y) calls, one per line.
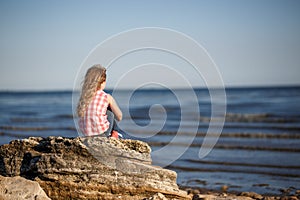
point(252, 42)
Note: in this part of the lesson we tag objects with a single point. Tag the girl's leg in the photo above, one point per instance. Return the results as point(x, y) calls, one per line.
point(112, 123)
point(111, 119)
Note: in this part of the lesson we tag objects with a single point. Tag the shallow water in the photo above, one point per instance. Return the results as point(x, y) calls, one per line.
point(258, 150)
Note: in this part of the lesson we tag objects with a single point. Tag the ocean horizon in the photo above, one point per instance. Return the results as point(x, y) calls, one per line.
point(232, 87)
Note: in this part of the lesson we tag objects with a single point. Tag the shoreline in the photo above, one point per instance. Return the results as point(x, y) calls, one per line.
point(224, 194)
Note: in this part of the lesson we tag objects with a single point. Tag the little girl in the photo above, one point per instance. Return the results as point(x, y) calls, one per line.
point(97, 110)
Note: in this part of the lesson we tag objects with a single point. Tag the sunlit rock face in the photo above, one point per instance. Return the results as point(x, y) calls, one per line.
point(89, 168)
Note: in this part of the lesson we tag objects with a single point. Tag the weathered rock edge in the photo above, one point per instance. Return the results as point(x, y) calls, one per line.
point(19, 188)
point(88, 168)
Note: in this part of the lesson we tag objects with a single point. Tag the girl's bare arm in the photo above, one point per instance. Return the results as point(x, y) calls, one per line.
point(115, 108)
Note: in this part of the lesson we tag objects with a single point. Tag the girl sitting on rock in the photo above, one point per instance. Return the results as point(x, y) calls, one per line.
point(97, 110)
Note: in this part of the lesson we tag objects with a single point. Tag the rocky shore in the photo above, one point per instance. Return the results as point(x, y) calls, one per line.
point(60, 168)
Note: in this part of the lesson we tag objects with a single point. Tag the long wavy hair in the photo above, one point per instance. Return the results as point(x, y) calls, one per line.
point(94, 77)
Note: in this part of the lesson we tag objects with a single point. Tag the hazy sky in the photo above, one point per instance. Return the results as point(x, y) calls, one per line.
point(43, 43)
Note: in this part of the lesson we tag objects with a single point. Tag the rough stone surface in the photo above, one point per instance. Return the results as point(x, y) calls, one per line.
point(219, 197)
point(158, 196)
point(89, 168)
point(18, 188)
point(252, 195)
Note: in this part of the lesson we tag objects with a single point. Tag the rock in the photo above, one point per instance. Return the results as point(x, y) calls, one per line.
point(195, 191)
point(18, 188)
point(197, 197)
point(269, 198)
point(224, 188)
point(285, 191)
point(217, 196)
point(89, 168)
point(252, 195)
point(158, 196)
point(204, 197)
point(289, 198)
point(189, 190)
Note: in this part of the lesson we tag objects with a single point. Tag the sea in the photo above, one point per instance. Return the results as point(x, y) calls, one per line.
point(257, 148)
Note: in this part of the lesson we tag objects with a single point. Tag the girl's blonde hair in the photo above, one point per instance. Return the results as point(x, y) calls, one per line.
point(94, 77)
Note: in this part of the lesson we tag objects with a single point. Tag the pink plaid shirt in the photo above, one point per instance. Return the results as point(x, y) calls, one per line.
point(95, 119)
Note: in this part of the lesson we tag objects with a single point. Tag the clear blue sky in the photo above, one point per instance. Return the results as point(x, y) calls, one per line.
point(43, 43)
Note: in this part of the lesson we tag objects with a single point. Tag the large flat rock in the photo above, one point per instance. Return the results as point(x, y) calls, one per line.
point(89, 168)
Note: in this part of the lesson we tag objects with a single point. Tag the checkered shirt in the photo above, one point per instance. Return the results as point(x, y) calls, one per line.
point(95, 119)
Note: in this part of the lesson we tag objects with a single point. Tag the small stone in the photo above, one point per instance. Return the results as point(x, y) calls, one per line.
point(195, 191)
point(196, 197)
point(158, 196)
point(252, 195)
point(284, 198)
point(189, 190)
point(224, 195)
point(261, 185)
point(285, 191)
point(224, 188)
point(204, 197)
point(269, 198)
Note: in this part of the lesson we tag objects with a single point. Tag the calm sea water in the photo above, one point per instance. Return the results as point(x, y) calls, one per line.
point(258, 150)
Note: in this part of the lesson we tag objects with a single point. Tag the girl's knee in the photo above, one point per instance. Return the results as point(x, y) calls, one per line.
point(109, 113)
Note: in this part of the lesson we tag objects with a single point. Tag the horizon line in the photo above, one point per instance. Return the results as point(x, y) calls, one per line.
point(155, 88)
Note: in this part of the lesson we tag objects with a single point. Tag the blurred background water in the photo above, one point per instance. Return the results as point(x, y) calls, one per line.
point(258, 150)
